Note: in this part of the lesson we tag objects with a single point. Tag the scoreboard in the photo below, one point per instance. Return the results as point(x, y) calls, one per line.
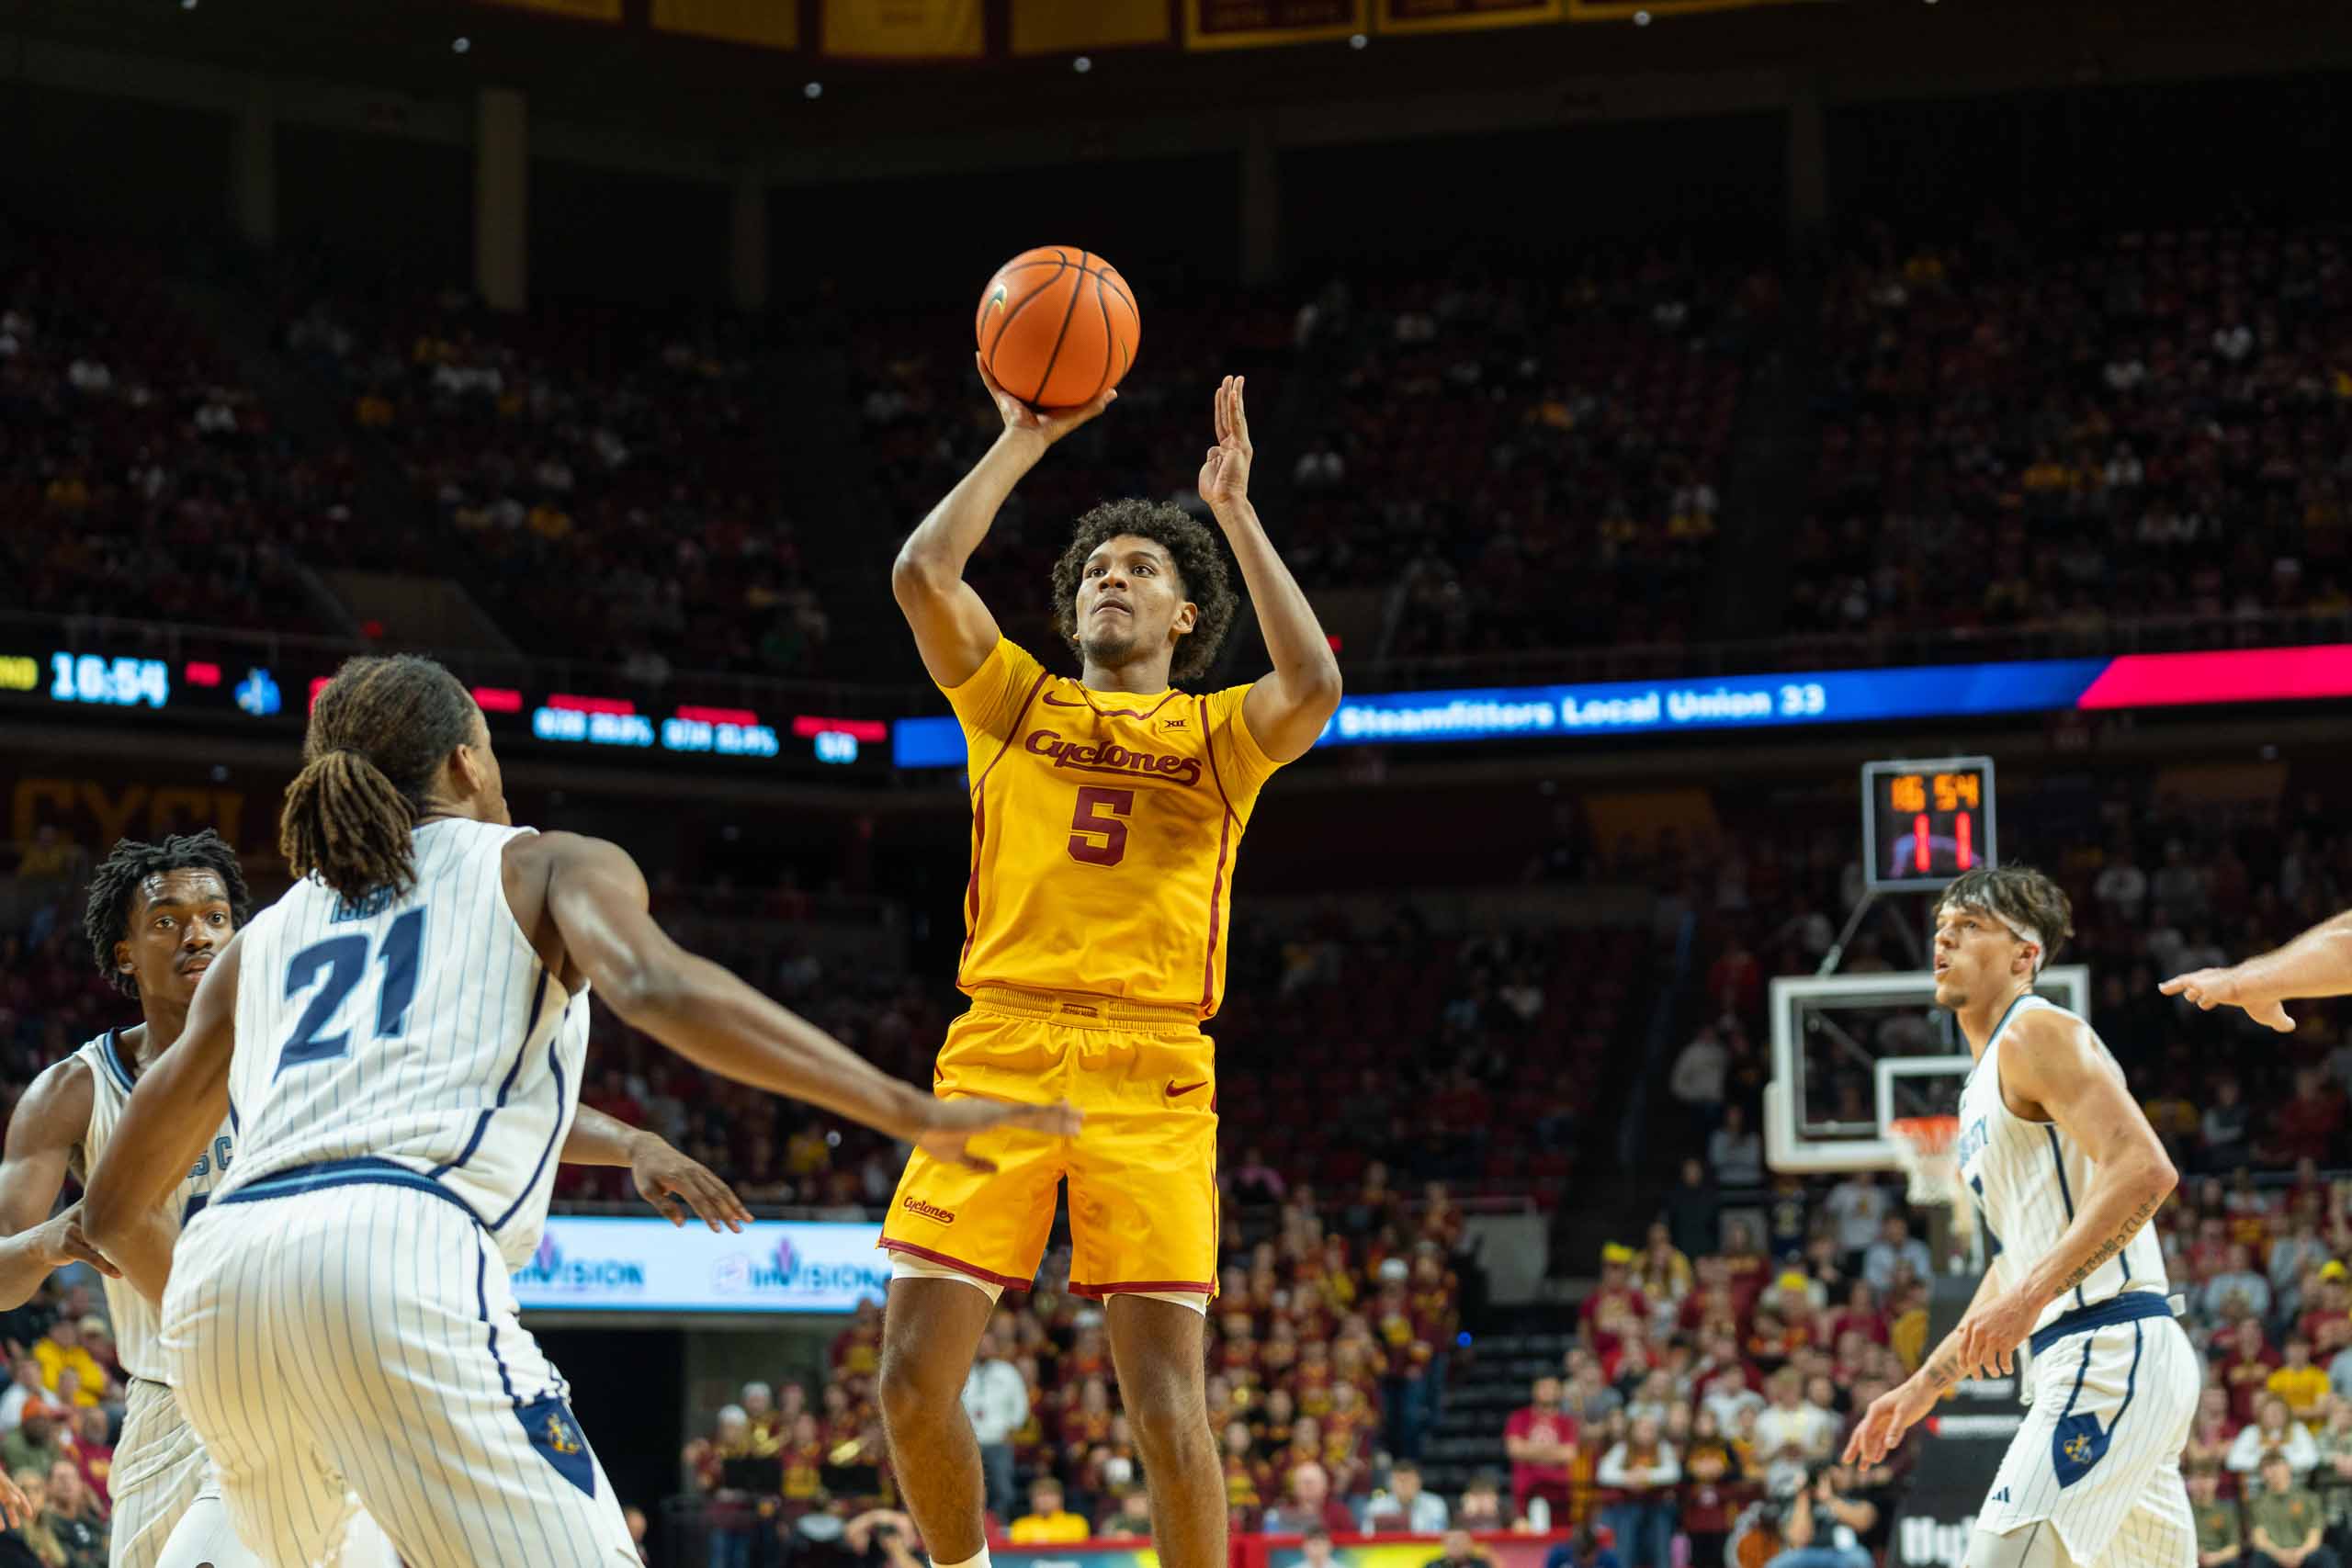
point(1925, 822)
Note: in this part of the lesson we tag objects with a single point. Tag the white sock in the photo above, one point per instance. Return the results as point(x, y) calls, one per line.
point(981, 1561)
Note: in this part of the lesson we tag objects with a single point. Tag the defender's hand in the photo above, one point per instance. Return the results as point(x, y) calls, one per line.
point(673, 1184)
point(946, 1127)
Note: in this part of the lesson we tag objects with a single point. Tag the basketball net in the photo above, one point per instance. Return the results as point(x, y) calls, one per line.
point(1929, 1159)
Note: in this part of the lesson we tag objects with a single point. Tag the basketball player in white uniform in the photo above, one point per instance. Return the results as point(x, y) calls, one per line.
point(2066, 1173)
point(398, 1044)
point(156, 917)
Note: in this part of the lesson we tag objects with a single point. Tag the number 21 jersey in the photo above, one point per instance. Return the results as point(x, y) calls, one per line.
point(423, 1030)
point(1105, 825)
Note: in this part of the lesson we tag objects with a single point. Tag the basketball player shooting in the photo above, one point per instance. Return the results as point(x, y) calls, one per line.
point(1106, 811)
point(2066, 1172)
point(157, 915)
point(414, 1029)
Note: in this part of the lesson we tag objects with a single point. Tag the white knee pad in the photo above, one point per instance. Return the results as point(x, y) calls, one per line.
point(2037, 1545)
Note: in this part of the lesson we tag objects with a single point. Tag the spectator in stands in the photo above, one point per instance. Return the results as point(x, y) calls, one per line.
point(1791, 1436)
point(33, 1543)
point(2302, 1387)
point(94, 1457)
point(1857, 1208)
point(2284, 1521)
point(2273, 1431)
point(996, 1398)
point(1541, 1439)
point(1047, 1522)
point(61, 1350)
point(1315, 1549)
point(1645, 1472)
point(1458, 1551)
point(24, 1386)
point(1713, 1489)
point(2221, 1536)
point(2226, 1136)
point(1895, 1246)
point(1693, 1212)
point(1834, 1524)
point(1735, 1153)
point(74, 1518)
point(1307, 1504)
point(2238, 1292)
point(1128, 1518)
point(1482, 1506)
point(2245, 1363)
point(1404, 1505)
point(1697, 1081)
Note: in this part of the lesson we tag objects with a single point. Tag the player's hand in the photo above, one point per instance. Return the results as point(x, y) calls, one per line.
point(673, 1184)
point(1891, 1415)
point(14, 1506)
point(62, 1242)
point(1224, 472)
point(1049, 426)
point(1989, 1336)
point(2210, 989)
point(945, 1126)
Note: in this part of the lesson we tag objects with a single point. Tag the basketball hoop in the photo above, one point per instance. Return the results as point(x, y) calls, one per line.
point(1933, 1165)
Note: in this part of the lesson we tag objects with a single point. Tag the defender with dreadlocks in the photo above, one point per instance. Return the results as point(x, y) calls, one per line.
point(157, 916)
point(398, 1044)
point(1106, 812)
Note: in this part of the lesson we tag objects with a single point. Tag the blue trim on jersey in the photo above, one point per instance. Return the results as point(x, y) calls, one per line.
point(195, 1207)
point(555, 1061)
point(2065, 1193)
point(2130, 1378)
point(365, 1170)
point(481, 1122)
point(481, 1300)
point(111, 1054)
point(2129, 1307)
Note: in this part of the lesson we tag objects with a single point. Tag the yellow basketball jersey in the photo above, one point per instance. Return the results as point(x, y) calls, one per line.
point(1104, 828)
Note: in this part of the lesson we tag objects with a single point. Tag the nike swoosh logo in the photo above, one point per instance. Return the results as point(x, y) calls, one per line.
point(1175, 1088)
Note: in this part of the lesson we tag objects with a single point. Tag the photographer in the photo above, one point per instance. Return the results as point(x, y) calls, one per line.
point(883, 1539)
point(1835, 1524)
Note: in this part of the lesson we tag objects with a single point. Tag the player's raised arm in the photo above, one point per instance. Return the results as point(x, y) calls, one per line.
point(170, 1119)
point(1288, 707)
point(2055, 1062)
point(42, 1131)
point(596, 898)
point(953, 630)
point(2316, 963)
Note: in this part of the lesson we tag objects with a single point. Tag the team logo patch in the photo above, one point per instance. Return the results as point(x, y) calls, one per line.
point(924, 1211)
point(2075, 1445)
point(549, 1424)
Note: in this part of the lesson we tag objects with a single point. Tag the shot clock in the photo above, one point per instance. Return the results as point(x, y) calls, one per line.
point(1925, 822)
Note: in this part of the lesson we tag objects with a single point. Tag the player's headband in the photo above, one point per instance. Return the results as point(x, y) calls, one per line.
point(2026, 934)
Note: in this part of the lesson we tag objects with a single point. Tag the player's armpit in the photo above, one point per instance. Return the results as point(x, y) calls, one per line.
point(171, 1117)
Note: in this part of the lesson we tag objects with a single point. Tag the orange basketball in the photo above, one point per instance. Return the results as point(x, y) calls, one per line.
point(1058, 326)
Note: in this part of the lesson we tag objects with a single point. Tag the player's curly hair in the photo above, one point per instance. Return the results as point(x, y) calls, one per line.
point(1200, 569)
point(2019, 894)
point(106, 918)
point(380, 732)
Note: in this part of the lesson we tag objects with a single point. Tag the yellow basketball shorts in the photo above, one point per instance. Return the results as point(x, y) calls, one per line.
point(1142, 1172)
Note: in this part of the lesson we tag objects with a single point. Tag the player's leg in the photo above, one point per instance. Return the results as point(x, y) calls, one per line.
point(264, 1495)
point(958, 1237)
point(929, 1334)
point(1159, 1347)
point(159, 1468)
point(2037, 1545)
point(1143, 1230)
point(431, 1397)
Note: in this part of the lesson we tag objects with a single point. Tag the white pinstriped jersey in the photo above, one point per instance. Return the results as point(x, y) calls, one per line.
point(2026, 1178)
point(423, 1030)
point(136, 1323)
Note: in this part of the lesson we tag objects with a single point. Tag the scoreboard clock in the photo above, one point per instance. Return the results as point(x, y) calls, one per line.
point(1925, 822)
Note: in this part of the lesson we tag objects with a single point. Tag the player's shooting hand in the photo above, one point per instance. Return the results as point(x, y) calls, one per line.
point(946, 1126)
point(1224, 472)
point(1048, 424)
point(62, 1242)
point(2210, 989)
point(673, 1184)
point(1891, 1415)
point(1990, 1335)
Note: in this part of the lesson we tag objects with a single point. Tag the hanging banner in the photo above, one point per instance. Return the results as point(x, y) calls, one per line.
point(1057, 27)
point(1251, 24)
point(904, 30)
point(1618, 10)
point(1455, 16)
point(577, 10)
point(771, 23)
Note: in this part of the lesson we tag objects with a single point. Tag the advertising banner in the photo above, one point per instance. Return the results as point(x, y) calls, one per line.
point(1057, 27)
point(592, 1263)
point(1456, 15)
point(770, 22)
point(904, 30)
point(1251, 24)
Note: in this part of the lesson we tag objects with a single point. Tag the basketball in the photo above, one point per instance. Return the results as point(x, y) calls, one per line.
point(1058, 326)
